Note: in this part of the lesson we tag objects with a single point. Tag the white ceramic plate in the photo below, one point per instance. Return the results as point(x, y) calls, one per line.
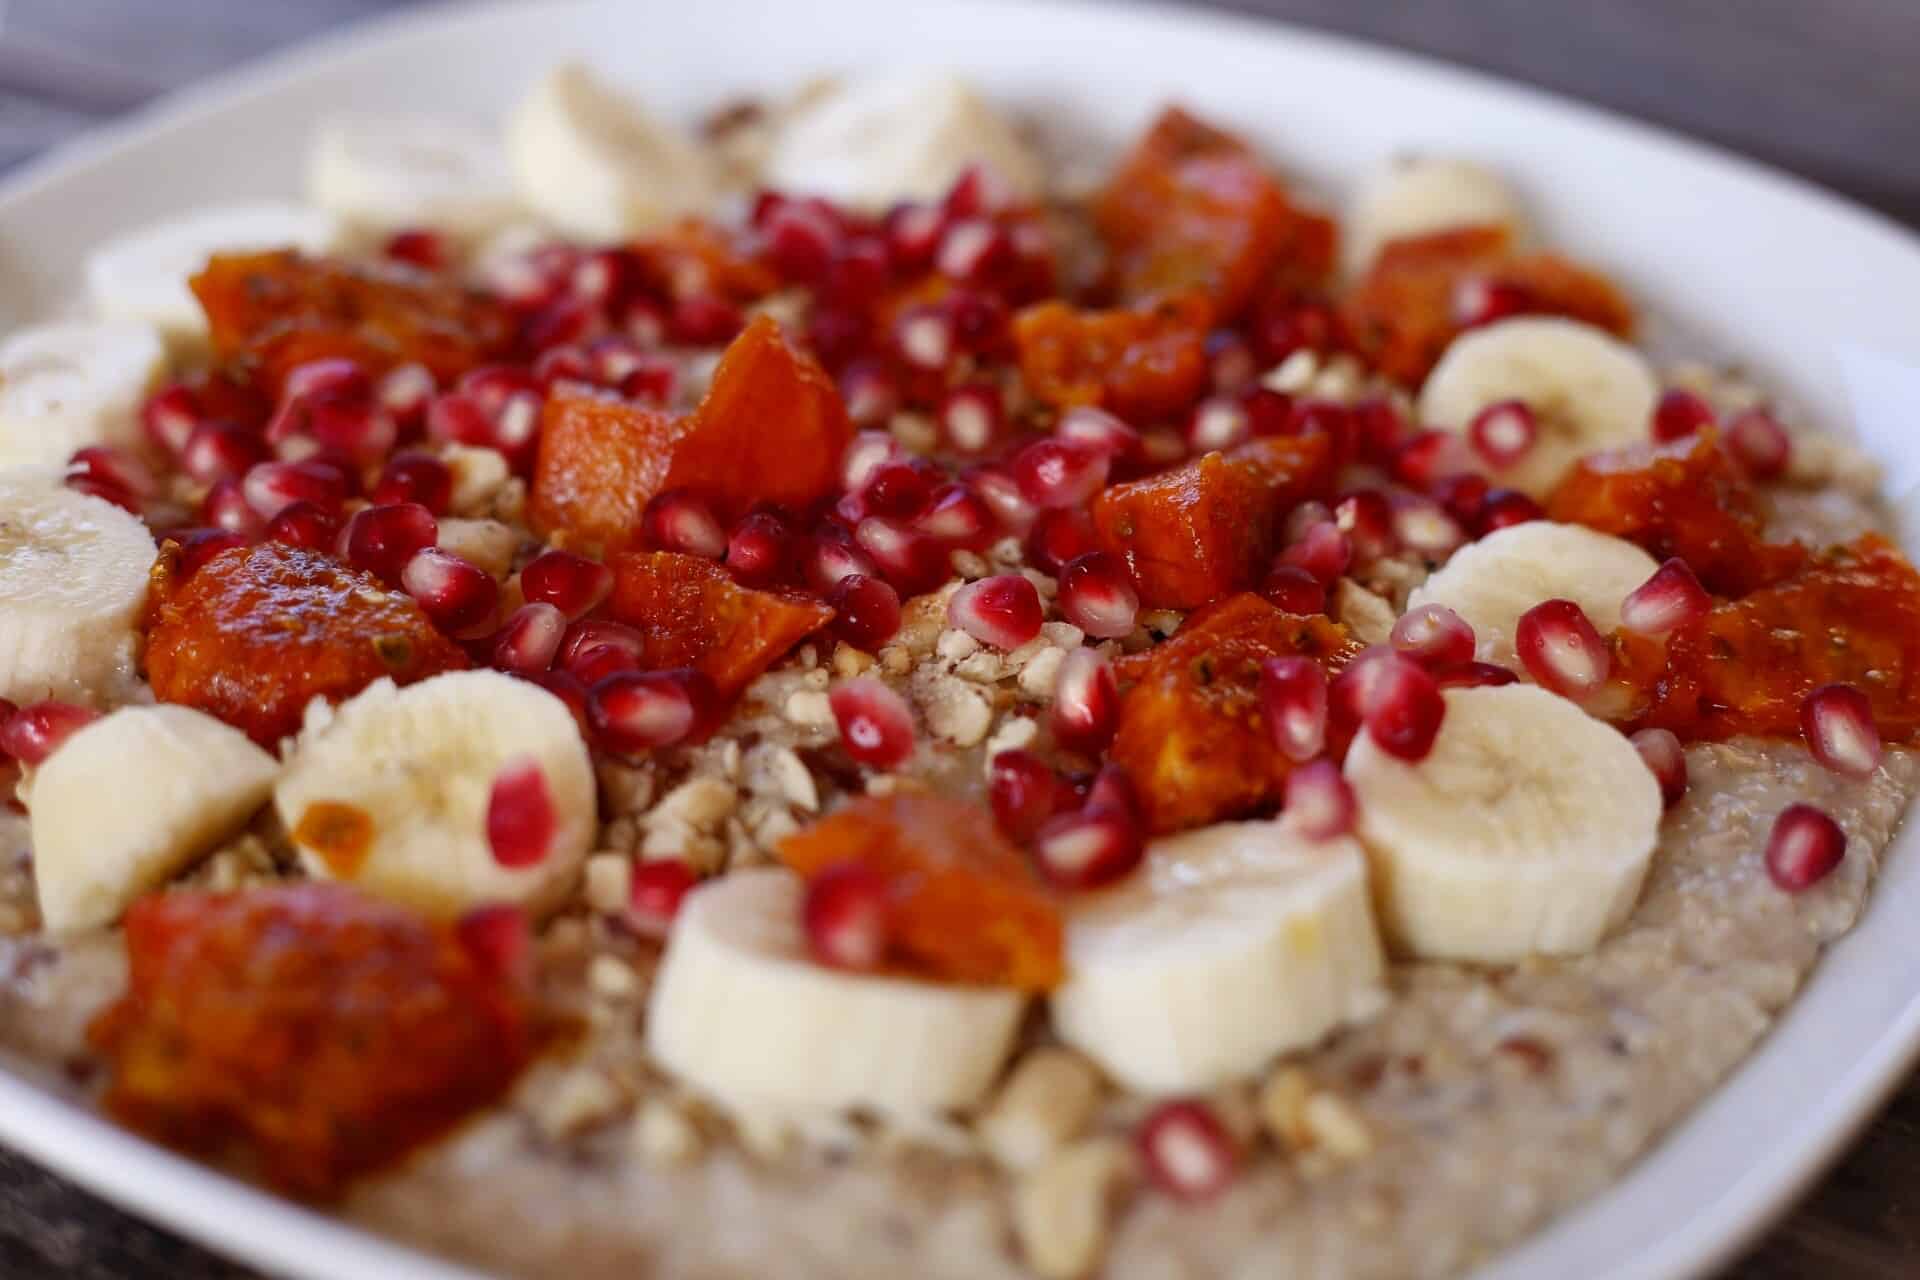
point(1814, 291)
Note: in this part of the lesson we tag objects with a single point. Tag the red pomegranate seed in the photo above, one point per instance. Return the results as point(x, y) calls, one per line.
point(1561, 650)
point(1424, 527)
point(570, 583)
point(1097, 429)
point(1318, 801)
point(1505, 507)
point(1025, 791)
point(303, 524)
point(1002, 611)
point(1804, 847)
point(1059, 537)
point(201, 545)
point(925, 338)
point(404, 392)
point(1088, 849)
point(226, 507)
point(1478, 300)
point(1322, 551)
point(866, 454)
point(1293, 696)
point(910, 560)
point(1759, 443)
point(870, 392)
point(1378, 428)
point(1231, 362)
point(1350, 694)
point(1059, 473)
point(382, 539)
point(1680, 414)
point(527, 643)
point(1186, 1151)
point(415, 477)
point(1463, 495)
point(169, 416)
point(801, 241)
point(678, 521)
point(1365, 516)
point(704, 320)
point(971, 249)
point(826, 562)
point(1289, 587)
point(1269, 412)
point(1666, 760)
point(221, 451)
point(1503, 433)
point(115, 467)
point(419, 247)
point(520, 818)
point(1002, 495)
point(1434, 636)
point(1323, 418)
point(1282, 326)
point(972, 417)
point(635, 711)
point(900, 487)
point(866, 611)
point(1838, 723)
point(957, 517)
point(913, 233)
point(458, 596)
point(1111, 789)
point(595, 663)
point(568, 688)
point(1403, 708)
point(1097, 595)
point(1425, 456)
point(271, 487)
point(845, 917)
point(1218, 422)
point(327, 376)
point(876, 725)
point(1474, 675)
point(34, 732)
point(1086, 702)
point(1671, 598)
point(359, 431)
point(658, 889)
point(760, 549)
point(588, 634)
point(105, 490)
point(499, 940)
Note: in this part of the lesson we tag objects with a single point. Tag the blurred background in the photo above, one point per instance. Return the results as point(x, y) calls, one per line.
point(1829, 89)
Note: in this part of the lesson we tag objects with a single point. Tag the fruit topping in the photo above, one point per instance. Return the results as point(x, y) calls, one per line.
point(692, 613)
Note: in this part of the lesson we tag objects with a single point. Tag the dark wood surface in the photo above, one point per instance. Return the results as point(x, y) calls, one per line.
point(1827, 88)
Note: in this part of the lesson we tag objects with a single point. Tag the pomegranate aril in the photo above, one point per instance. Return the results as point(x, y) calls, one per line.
point(361, 432)
point(910, 560)
point(1097, 595)
point(957, 517)
point(866, 611)
point(1464, 496)
point(1293, 697)
point(899, 487)
point(1759, 444)
point(304, 524)
point(415, 477)
point(1187, 1152)
point(382, 539)
point(1011, 509)
point(404, 392)
point(1002, 611)
point(106, 490)
point(979, 320)
point(1425, 456)
point(1403, 708)
point(827, 561)
point(870, 392)
point(169, 416)
point(1322, 551)
point(760, 549)
point(1112, 789)
point(1318, 801)
point(866, 454)
point(1680, 414)
point(972, 417)
point(679, 521)
point(1503, 433)
point(1671, 598)
point(1560, 648)
point(844, 916)
point(913, 233)
point(1025, 792)
point(635, 711)
point(596, 662)
point(876, 725)
point(1098, 429)
point(1086, 703)
point(1365, 516)
point(924, 337)
point(527, 643)
point(658, 888)
point(1434, 636)
point(1269, 412)
point(116, 467)
point(1423, 526)
point(589, 634)
point(225, 506)
point(1505, 507)
point(1059, 537)
point(570, 583)
point(1478, 300)
point(220, 451)
point(35, 731)
point(1803, 848)
point(972, 249)
point(801, 242)
point(1837, 720)
point(1289, 587)
point(704, 320)
point(1666, 760)
point(1059, 473)
point(271, 487)
point(334, 376)
point(1088, 849)
point(521, 821)
point(1378, 428)
point(201, 545)
point(1474, 675)
point(458, 596)
point(1230, 362)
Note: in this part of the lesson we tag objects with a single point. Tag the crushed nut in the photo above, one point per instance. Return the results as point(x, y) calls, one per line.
point(916, 432)
point(1293, 375)
point(700, 803)
point(1007, 551)
point(763, 1133)
point(1016, 733)
point(580, 1099)
point(629, 789)
point(478, 475)
point(1283, 1107)
point(956, 645)
point(664, 1135)
point(895, 660)
point(1039, 675)
point(486, 543)
point(1337, 1127)
point(808, 708)
point(969, 565)
point(1061, 1209)
point(984, 667)
point(612, 978)
point(1046, 1101)
point(1368, 616)
point(956, 711)
point(849, 662)
point(608, 880)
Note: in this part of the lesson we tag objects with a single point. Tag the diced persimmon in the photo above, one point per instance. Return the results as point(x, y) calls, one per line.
point(694, 614)
point(258, 632)
point(1208, 527)
point(967, 906)
point(268, 312)
point(315, 1032)
point(1688, 500)
point(1141, 362)
point(600, 459)
point(1193, 737)
point(696, 257)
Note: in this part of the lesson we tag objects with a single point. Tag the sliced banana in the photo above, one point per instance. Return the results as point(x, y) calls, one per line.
point(589, 159)
point(899, 137)
point(389, 172)
point(66, 386)
point(1419, 195)
point(1527, 830)
point(740, 1012)
point(1492, 582)
point(130, 801)
point(1589, 391)
point(142, 275)
point(73, 580)
point(391, 790)
point(1234, 943)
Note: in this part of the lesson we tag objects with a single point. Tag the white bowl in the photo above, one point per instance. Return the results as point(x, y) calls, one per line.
point(1814, 291)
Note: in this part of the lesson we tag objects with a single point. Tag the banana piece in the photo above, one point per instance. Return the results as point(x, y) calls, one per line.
point(142, 275)
point(1232, 944)
point(73, 580)
point(390, 791)
point(1419, 195)
point(898, 137)
point(1527, 830)
point(740, 1012)
point(390, 172)
point(130, 801)
point(1589, 390)
point(1492, 582)
point(66, 386)
point(589, 159)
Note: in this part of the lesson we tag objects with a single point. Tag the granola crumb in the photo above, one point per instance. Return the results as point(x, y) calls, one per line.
point(608, 880)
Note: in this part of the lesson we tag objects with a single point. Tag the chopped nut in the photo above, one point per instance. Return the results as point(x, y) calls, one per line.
point(478, 475)
point(1339, 381)
point(1820, 461)
point(730, 759)
point(956, 645)
point(1007, 551)
point(1283, 1107)
point(1062, 634)
point(1037, 678)
point(1015, 733)
point(849, 661)
point(1368, 616)
point(486, 543)
point(916, 432)
point(663, 1134)
point(1162, 622)
point(816, 678)
point(928, 1132)
point(1060, 1210)
point(808, 707)
point(612, 977)
point(628, 789)
point(795, 780)
point(1292, 375)
point(609, 882)
point(957, 711)
point(984, 667)
point(1046, 1101)
point(580, 1099)
point(1046, 586)
point(1336, 1126)
point(895, 660)
point(969, 565)
point(775, 827)
point(700, 803)
point(763, 1133)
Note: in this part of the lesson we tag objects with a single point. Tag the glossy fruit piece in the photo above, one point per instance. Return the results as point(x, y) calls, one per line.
point(693, 614)
point(382, 540)
point(845, 918)
point(600, 459)
point(1403, 708)
point(1025, 791)
point(1671, 598)
point(1292, 588)
point(1088, 849)
point(1096, 594)
point(1806, 844)
point(1666, 760)
point(227, 507)
point(1141, 363)
point(457, 595)
point(30, 734)
point(1086, 703)
point(528, 642)
point(875, 723)
point(1561, 650)
point(415, 476)
point(570, 583)
point(1837, 722)
point(866, 611)
point(1187, 1152)
point(659, 887)
point(1003, 611)
point(1319, 802)
point(1434, 636)
point(1293, 698)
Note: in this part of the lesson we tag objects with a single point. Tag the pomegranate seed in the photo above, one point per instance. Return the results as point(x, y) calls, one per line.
point(569, 690)
point(760, 549)
point(976, 191)
point(404, 393)
point(1838, 723)
point(481, 412)
point(1804, 847)
point(1269, 412)
point(971, 249)
point(1426, 455)
point(1424, 527)
point(34, 732)
point(635, 711)
point(1323, 418)
point(801, 241)
point(678, 521)
point(1666, 760)
point(1112, 789)
point(900, 487)
point(1088, 849)
point(1025, 792)
point(588, 634)
point(876, 726)
point(202, 545)
point(1671, 598)
point(382, 539)
point(1289, 587)
point(520, 818)
point(1186, 1151)
point(652, 378)
point(1293, 694)
point(499, 941)
point(1434, 636)
point(271, 487)
point(116, 467)
point(595, 663)
point(570, 583)
point(704, 320)
point(220, 451)
point(1759, 443)
point(415, 477)
point(1366, 518)
point(865, 455)
point(1322, 551)
point(845, 917)
point(972, 417)
point(1505, 507)
point(866, 611)
point(1231, 362)
point(169, 416)
point(1680, 414)
point(1478, 300)
point(1561, 650)
point(979, 320)
point(1403, 708)
point(1318, 801)
point(1350, 694)
point(527, 643)
point(659, 887)
point(957, 517)
point(1002, 611)
point(1218, 422)
point(1463, 495)
point(1097, 429)
point(226, 507)
point(1378, 428)
point(827, 562)
point(458, 596)
point(327, 376)
point(925, 338)
point(359, 431)
point(1059, 537)
point(1474, 675)
point(913, 562)
point(419, 247)
point(1097, 595)
point(105, 490)
point(913, 233)
point(1282, 326)
point(1503, 433)
point(870, 392)
point(644, 320)
point(1059, 473)
point(1086, 702)
point(1002, 495)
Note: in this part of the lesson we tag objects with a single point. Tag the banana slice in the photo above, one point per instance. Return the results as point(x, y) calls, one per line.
point(1526, 830)
point(1492, 582)
point(1234, 943)
point(392, 791)
point(142, 275)
point(390, 172)
point(1419, 195)
point(130, 801)
point(901, 137)
point(589, 159)
point(73, 580)
point(66, 386)
point(740, 1012)
point(1589, 391)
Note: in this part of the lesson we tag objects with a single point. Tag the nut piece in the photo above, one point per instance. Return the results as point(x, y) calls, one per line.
point(1041, 673)
point(608, 879)
point(957, 711)
point(1060, 1210)
point(1015, 733)
point(478, 475)
point(663, 1134)
point(487, 544)
point(1283, 1107)
point(1368, 616)
point(809, 708)
point(1337, 1127)
point(1046, 1101)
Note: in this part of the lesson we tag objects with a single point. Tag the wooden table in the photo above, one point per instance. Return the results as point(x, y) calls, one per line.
point(1822, 87)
